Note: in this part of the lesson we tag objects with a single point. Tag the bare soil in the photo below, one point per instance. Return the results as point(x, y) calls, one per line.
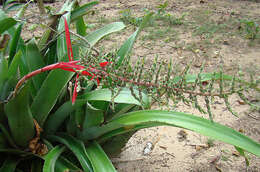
point(175, 149)
point(210, 32)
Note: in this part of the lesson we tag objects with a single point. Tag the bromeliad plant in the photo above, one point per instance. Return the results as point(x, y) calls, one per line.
point(62, 113)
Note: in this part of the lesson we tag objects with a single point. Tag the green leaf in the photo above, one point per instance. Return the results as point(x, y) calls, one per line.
point(122, 108)
point(8, 87)
point(242, 153)
point(17, 152)
point(68, 5)
point(3, 141)
point(143, 119)
point(7, 136)
point(36, 165)
point(93, 117)
point(45, 38)
point(64, 164)
point(191, 78)
point(13, 69)
point(6, 23)
point(20, 13)
point(81, 27)
point(61, 41)
point(9, 165)
point(81, 11)
point(128, 44)
point(49, 93)
point(19, 117)
point(14, 7)
point(95, 36)
point(56, 119)
point(98, 158)
point(77, 147)
point(3, 73)
point(35, 61)
point(124, 96)
point(51, 157)
point(14, 43)
point(71, 125)
point(7, 2)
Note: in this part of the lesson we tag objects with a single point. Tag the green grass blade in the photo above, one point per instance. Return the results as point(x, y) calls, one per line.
point(143, 119)
point(77, 147)
point(128, 44)
point(19, 117)
point(51, 157)
point(96, 35)
point(98, 158)
point(81, 11)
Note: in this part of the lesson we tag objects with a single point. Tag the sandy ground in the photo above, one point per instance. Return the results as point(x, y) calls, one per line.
point(175, 149)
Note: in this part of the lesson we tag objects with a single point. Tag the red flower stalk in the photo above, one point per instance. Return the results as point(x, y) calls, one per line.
point(71, 66)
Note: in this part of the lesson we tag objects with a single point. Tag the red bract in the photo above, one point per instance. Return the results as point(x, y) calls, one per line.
point(71, 66)
point(68, 42)
point(78, 67)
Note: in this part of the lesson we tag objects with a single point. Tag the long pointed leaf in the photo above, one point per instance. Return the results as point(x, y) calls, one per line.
point(51, 157)
point(9, 165)
point(96, 35)
point(128, 44)
point(7, 136)
point(14, 43)
point(124, 96)
point(98, 158)
point(3, 73)
point(35, 61)
point(6, 23)
point(19, 117)
point(48, 94)
point(143, 119)
point(81, 11)
point(81, 27)
point(64, 164)
point(56, 119)
point(13, 69)
point(77, 147)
